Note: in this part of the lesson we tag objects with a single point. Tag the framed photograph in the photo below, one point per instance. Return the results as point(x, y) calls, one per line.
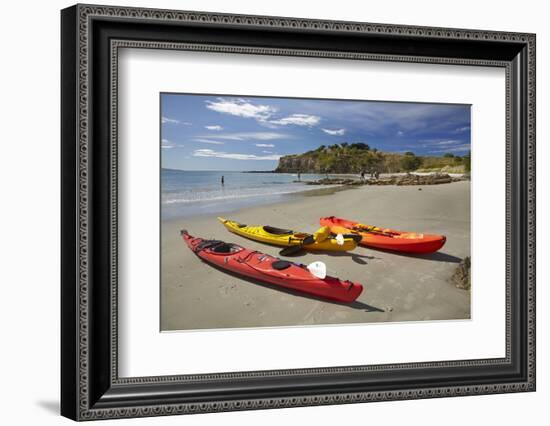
point(263, 212)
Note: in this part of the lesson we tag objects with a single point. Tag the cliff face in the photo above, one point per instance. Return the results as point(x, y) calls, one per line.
point(338, 163)
point(298, 163)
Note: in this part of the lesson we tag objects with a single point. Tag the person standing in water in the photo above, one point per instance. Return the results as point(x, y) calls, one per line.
point(299, 176)
point(222, 181)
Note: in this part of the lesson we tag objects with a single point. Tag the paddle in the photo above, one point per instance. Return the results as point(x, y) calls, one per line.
point(289, 251)
point(355, 237)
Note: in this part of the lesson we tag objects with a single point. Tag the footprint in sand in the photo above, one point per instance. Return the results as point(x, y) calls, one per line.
point(227, 290)
point(249, 303)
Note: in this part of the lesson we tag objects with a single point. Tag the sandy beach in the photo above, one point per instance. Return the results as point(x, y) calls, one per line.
point(396, 287)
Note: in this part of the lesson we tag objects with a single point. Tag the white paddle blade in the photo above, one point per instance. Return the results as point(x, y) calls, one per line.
point(340, 239)
point(319, 269)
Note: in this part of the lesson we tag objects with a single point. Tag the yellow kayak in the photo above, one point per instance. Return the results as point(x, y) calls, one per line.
point(323, 239)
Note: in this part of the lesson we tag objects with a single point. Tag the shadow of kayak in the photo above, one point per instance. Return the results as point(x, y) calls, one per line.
point(357, 258)
point(354, 305)
point(438, 256)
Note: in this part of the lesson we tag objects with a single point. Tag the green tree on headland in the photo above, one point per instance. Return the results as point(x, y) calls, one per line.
point(456, 159)
point(360, 146)
point(410, 162)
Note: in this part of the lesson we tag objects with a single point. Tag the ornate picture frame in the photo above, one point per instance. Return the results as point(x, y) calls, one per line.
point(91, 38)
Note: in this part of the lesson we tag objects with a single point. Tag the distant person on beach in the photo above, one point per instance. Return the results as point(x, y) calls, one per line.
point(222, 181)
point(362, 175)
point(298, 176)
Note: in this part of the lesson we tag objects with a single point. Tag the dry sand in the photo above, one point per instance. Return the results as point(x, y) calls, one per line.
point(396, 287)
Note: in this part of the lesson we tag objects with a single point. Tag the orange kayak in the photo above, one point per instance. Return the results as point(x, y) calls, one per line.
point(386, 239)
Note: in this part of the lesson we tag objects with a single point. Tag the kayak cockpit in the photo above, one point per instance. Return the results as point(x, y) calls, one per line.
point(280, 265)
point(225, 248)
point(218, 247)
point(277, 231)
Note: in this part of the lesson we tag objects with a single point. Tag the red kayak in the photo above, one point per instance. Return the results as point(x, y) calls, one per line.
point(386, 239)
point(269, 269)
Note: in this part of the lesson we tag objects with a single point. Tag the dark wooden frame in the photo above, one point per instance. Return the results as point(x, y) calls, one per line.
point(90, 386)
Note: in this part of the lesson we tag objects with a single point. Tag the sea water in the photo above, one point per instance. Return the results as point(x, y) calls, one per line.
point(193, 193)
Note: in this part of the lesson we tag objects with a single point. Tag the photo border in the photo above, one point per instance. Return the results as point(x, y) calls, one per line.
point(230, 95)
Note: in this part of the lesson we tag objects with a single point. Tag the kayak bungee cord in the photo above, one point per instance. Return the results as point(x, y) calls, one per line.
point(375, 230)
point(245, 259)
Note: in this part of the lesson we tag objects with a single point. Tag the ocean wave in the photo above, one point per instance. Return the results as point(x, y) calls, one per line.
point(227, 197)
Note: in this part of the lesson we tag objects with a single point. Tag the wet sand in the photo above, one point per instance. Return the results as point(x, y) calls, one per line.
point(397, 287)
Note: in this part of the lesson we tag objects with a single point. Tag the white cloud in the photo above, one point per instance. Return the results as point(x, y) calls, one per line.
point(216, 128)
point(166, 144)
point(267, 152)
point(233, 156)
point(243, 136)
point(265, 145)
point(298, 120)
point(400, 133)
point(462, 129)
point(264, 114)
point(165, 120)
point(447, 142)
point(459, 148)
point(241, 108)
point(211, 142)
point(169, 120)
point(335, 132)
point(437, 143)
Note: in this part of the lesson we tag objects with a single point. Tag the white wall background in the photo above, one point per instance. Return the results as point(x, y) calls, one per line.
point(29, 214)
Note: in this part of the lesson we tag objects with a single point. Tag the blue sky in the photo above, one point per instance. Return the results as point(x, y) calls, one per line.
point(215, 132)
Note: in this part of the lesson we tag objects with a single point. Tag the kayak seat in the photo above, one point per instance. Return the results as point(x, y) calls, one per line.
point(277, 231)
point(279, 265)
point(225, 248)
point(208, 244)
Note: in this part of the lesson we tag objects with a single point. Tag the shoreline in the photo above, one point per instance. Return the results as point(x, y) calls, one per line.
point(312, 189)
point(396, 287)
point(290, 197)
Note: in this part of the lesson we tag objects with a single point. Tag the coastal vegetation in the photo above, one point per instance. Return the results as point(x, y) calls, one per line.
point(360, 157)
